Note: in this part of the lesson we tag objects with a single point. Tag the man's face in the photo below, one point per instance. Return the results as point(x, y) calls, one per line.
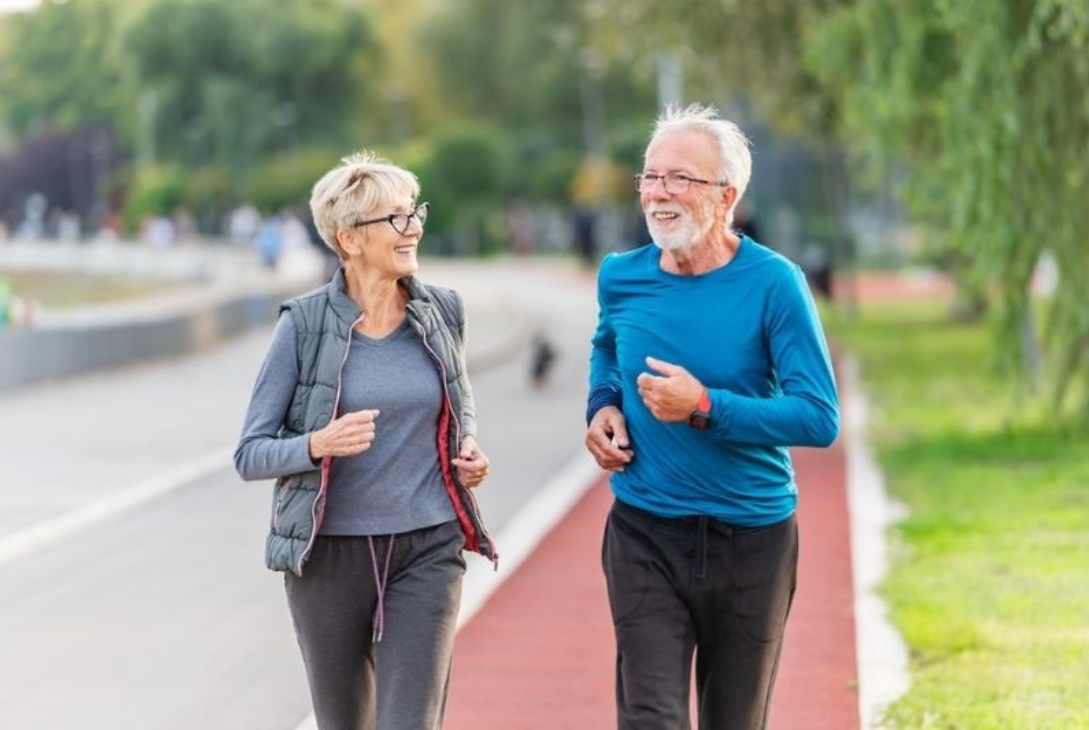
point(680, 221)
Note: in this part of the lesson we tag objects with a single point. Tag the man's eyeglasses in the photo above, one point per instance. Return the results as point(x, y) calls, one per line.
point(399, 221)
point(675, 183)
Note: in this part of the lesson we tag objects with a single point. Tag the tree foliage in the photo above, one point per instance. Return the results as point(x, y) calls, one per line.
point(727, 47)
point(58, 66)
point(532, 68)
point(982, 101)
point(233, 81)
point(985, 102)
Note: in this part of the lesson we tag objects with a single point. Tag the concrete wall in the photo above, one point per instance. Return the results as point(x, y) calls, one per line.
point(32, 355)
point(216, 292)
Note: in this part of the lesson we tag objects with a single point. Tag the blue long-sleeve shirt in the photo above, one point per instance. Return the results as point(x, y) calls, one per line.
point(749, 331)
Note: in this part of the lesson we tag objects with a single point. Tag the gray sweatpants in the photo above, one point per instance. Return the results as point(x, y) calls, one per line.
point(400, 681)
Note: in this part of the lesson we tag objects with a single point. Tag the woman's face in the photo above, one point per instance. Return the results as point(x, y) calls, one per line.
point(387, 241)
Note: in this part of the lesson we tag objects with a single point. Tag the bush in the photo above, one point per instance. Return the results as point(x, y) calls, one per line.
point(285, 181)
point(209, 192)
point(151, 190)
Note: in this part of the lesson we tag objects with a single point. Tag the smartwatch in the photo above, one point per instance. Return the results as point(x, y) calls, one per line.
point(701, 417)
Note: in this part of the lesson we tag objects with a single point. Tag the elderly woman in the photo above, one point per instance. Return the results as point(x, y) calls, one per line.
point(364, 415)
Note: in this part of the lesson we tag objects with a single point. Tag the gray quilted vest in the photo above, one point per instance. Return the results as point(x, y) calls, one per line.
point(323, 322)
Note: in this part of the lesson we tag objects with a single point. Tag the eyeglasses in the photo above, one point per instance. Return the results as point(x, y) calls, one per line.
point(675, 183)
point(399, 221)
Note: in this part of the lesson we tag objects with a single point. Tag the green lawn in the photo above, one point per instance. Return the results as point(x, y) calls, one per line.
point(990, 584)
point(58, 290)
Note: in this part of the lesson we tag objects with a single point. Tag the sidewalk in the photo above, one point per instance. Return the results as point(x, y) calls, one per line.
point(540, 653)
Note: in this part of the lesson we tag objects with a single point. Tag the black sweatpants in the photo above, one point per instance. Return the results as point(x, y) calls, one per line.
point(401, 681)
point(693, 584)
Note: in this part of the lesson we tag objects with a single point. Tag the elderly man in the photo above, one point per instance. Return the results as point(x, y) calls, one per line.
point(707, 363)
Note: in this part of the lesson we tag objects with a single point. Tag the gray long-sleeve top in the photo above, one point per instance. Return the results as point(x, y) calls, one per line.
point(396, 485)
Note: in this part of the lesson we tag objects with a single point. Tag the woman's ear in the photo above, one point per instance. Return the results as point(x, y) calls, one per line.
point(348, 240)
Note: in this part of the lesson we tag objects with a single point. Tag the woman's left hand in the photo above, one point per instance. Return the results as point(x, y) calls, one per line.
point(472, 464)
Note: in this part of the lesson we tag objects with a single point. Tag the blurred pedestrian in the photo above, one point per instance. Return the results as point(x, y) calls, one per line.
point(520, 223)
point(542, 356)
point(371, 508)
point(584, 230)
point(158, 231)
point(330, 259)
point(242, 223)
point(708, 361)
point(269, 240)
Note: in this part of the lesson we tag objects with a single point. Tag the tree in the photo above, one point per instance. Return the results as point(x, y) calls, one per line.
point(728, 47)
point(234, 81)
point(985, 102)
point(981, 101)
point(59, 66)
point(530, 68)
point(466, 174)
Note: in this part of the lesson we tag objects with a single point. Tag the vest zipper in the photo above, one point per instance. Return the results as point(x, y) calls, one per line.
point(478, 523)
point(279, 510)
point(315, 519)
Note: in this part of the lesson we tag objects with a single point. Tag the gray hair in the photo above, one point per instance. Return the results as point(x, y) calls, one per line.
point(735, 159)
point(361, 185)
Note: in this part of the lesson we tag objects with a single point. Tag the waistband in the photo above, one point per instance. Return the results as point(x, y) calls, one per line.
point(698, 525)
point(692, 523)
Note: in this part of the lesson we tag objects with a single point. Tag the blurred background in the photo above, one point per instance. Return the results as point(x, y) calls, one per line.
point(926, 163)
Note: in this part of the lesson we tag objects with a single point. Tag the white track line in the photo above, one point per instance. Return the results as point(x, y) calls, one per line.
point(44, 534)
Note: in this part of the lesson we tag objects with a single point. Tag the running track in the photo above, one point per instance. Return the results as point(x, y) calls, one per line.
point(539, 655)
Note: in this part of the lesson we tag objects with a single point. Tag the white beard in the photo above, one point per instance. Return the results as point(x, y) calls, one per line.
point(682, 238)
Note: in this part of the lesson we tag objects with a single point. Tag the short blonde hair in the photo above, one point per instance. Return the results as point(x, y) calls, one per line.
point(358, 188)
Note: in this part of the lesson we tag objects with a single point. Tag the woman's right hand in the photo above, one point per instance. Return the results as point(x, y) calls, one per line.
point(348, 435)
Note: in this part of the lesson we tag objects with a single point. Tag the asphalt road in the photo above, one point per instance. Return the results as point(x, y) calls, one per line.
point(162, 615)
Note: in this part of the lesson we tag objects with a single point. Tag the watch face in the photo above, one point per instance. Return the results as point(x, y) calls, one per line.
point(699, 420)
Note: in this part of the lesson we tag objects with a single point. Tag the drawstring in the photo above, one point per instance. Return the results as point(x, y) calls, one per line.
point(701, 548)
point(380, 610)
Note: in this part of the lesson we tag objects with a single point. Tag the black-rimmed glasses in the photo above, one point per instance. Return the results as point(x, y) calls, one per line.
point(675, 183)
point(399, 221)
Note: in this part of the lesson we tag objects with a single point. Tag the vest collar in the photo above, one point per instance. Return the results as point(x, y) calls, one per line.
point(348, 311)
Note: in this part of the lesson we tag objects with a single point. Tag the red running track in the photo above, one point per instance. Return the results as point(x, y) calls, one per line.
point(540, 654)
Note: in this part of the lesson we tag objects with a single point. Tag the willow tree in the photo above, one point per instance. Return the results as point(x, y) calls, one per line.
point(986, 103)
point(981, 102)
point(727, 47)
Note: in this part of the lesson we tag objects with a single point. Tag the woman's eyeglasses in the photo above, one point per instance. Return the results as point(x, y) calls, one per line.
point(399, 221)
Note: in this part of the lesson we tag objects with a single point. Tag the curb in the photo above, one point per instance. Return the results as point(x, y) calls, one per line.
point(882, 655)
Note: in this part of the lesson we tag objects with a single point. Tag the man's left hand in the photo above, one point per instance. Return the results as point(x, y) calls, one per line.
point(673, 394)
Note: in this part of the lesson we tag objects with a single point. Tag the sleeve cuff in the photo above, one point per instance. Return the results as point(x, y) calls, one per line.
point(603, 395)
point(720, 410)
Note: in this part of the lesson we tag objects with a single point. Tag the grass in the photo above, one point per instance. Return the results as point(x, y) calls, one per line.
point(60, 290)
point(990, 577)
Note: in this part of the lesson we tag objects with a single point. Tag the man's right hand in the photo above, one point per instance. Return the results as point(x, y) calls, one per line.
point(348, 435)
point(607, 439)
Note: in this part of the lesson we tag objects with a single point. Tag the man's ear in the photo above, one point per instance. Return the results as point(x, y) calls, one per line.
point(729, 196)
